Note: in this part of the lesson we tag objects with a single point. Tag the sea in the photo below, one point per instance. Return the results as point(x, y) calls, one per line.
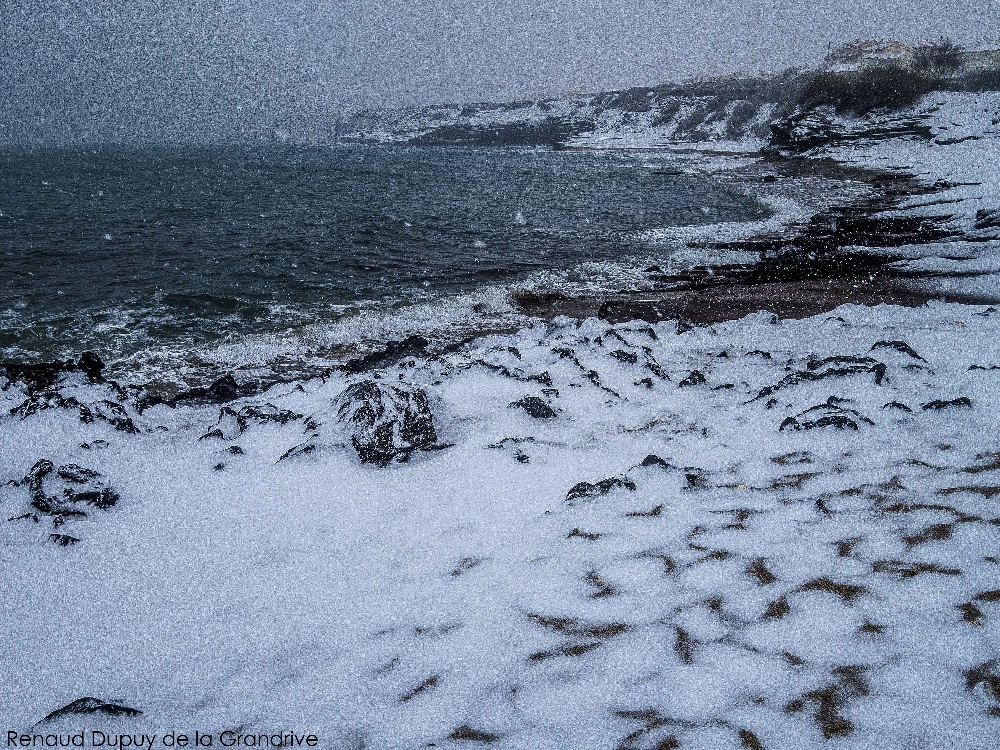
point(176, 264)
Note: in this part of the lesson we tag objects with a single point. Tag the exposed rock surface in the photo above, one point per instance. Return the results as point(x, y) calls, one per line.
point(386, 421)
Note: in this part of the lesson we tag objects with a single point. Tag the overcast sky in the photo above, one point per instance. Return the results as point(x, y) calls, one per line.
point(108, 70)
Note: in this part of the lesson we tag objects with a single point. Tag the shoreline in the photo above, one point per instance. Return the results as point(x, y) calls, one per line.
point(786, 280)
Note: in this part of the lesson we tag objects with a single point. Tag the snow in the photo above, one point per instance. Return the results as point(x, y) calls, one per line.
point(387, 607)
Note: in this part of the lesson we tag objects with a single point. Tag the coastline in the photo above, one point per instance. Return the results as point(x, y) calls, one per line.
point(766, 518)
point(809, 264)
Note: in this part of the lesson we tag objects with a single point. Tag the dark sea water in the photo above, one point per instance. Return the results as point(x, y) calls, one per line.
point(195, 259)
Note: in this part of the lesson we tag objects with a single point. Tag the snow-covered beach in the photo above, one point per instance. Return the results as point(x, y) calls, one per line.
point(763, 533)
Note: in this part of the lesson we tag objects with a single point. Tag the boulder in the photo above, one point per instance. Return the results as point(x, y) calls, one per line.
point(386, 421)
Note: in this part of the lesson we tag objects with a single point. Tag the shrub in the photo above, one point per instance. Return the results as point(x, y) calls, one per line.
point(862, 91)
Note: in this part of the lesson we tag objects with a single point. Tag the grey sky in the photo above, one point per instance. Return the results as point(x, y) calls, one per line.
point(202, 69)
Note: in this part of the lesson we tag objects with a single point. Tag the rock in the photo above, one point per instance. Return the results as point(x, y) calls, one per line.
point(586, 490)
point(468, 734)
point(92, 366)
point(63, 540)
point(102, 498)
point(36, 377)
point(392, 353)
point(623, 356)
point(962, 401)
point(828, 368)
point(112, 413)
point(75, 473)
point(898, 405)
point(386, 421)
point(899, 346)
point(535, 407)
point(806, 129)
point(302, 449)
point(221, 391)
point(695, 377)
point(232, 423)
point(825, 415)
point(43, 375)
point(987, 217)
point(79, 485)
point(42, 400)
point(92, 706)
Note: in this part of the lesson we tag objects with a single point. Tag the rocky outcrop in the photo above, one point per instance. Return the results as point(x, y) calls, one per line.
point(386, 421)
point(43, 375)
point(62, 493)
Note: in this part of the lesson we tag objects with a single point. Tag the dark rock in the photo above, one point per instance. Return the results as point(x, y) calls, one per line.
point(759, 570)
point(654, 460)
point(543, 377)
point(386, 421)
point(971, 613)
point(899, 346)
point(535, 407)
point(962, 401)
point(586, 490)
point(845, 591)
point(623, 356)
point(577, 627)
point(63, 540)
point(898, 405)
point(828, 368)
point(392, 353)
point(235, 450)
point(831, 700)
point(648, 382)
point(302, 449)
point(569, 649)
point(988, 674)
point(695, 377)
point(987, 217)
point(467, 733)
point(864, 362)
point(42, 400)
point(825, 415)
point(86, 486)
point(427, 684)
point(223, 390)
point(102, 498)
point(92, 366)
point(906, 570)
point(112, 413)
point(75, 473)
point(260, 413)
point(759, 353)
point(92, 706)
point(36, 377)
point(683, 326)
